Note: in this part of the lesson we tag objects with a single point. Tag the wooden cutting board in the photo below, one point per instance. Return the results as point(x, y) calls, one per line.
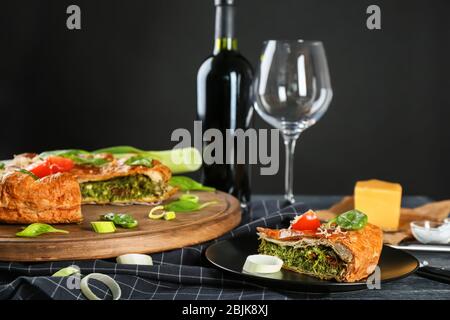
point(150, 236)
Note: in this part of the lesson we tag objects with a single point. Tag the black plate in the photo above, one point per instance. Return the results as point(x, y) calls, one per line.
point(230, 255)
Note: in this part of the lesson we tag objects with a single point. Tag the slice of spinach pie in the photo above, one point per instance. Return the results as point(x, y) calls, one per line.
point(119, 183)
point(328, 252)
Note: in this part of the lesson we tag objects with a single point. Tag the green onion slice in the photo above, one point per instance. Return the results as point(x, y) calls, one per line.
point(135, 258)
point(65, 272)
point(107, 280)
point(189, 197)
point(169, 215)
point(261, 263)
point(153, 215)
point(103, 226)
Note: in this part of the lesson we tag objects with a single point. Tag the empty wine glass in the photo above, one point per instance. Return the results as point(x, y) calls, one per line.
point(293, 91)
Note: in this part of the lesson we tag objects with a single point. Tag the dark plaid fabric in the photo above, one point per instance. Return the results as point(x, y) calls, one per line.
point(177, 274)
point(184, 273)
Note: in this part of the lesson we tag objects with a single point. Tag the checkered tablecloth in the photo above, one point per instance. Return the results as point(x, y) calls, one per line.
point(185, 273)
point(177, 274)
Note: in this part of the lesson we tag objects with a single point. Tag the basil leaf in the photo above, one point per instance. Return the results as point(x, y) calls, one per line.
point(122, 220)
point(188, 184)
point(2, 166)
point(36, 229)
point(186, 206)
point(29, 173)
point(179, 160)
point(129, 225)
point(125, 221)
point(86, 161)
point(351, 220)
point(74, 155)
point(119, 150)
point(62, 153)
point(139, 161)
point(181, 206)
point(175, 159)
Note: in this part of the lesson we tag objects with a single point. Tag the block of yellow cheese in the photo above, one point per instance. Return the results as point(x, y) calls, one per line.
point(380, 201)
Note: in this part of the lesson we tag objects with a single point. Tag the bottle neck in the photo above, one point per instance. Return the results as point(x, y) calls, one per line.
point(224, 36)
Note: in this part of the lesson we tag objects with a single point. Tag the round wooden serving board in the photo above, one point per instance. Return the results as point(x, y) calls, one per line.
point(150, 236)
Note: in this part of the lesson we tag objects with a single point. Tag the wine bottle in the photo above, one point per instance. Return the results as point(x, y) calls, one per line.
point(224, 101)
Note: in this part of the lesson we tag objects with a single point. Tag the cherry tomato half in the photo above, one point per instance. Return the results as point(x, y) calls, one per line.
point(50, 166)
point(40, 170)
point(60, 164)
point(307, 221)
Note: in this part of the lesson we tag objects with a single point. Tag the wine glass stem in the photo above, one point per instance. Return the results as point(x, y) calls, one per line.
point(289, 143)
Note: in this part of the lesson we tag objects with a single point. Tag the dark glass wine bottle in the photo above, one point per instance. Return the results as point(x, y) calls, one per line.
point(224, 101)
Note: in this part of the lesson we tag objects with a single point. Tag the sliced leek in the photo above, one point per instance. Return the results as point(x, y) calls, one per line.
point(65, 272)
point(180, 160)
point(103, 226)
point(135, 258)
point(107, 280)
point(189, 197)
point(153, 215)
point(169, 215)
point(261, 263)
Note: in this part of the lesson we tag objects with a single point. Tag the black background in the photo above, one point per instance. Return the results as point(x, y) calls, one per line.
point(129, 77)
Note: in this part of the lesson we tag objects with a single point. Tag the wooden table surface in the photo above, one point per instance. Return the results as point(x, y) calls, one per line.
point(82, 243)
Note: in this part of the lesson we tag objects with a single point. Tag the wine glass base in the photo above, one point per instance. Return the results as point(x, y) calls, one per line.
point(290, 199)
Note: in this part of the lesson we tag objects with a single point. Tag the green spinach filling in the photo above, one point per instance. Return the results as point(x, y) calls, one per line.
point(122, 188)
point(321, 261)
